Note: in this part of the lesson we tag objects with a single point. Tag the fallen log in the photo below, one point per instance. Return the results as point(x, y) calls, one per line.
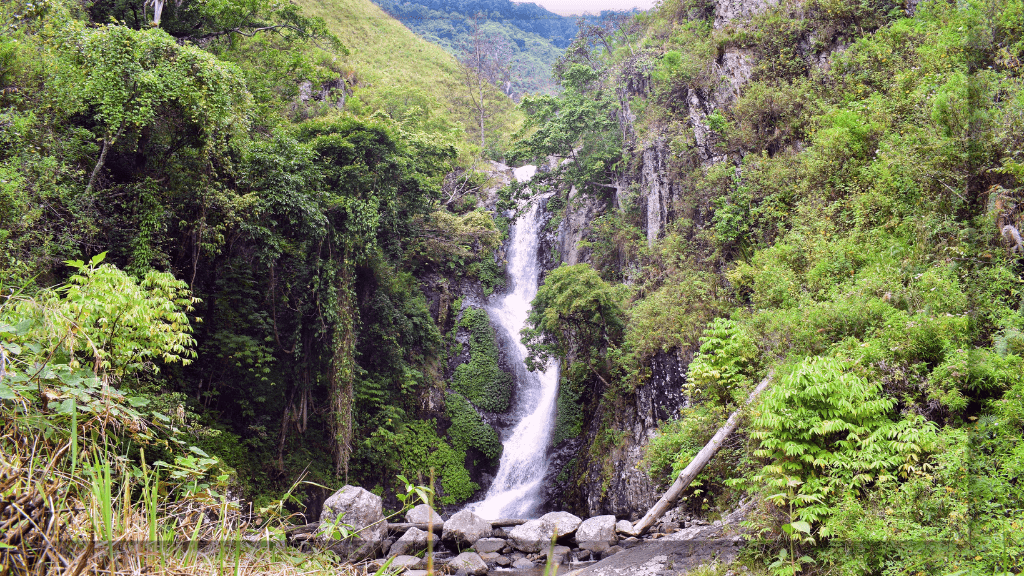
point(403, 526)
point(697, 464)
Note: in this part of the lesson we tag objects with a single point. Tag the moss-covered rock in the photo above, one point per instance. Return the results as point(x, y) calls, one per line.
point(481, 380)
point(468, 430)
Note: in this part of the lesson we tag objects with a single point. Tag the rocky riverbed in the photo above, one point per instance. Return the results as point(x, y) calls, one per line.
point(467, 544)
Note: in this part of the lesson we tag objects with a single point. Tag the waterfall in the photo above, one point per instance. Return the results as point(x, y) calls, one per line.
point(516, 490)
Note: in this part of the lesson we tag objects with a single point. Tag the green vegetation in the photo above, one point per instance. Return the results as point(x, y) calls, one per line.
point(848, 218)
point(212, 230)
point(481, 380)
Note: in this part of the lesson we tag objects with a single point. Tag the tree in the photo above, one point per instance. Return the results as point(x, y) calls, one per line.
point(576, 316)
point(579, 125)
point(486, 61)
point(130, 78)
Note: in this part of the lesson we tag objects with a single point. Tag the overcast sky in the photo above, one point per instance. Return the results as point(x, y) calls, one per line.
point(567, 7)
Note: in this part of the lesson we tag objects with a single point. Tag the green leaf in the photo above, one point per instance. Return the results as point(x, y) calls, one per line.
point(6, 393)
point(138, 401)
point(198, 451)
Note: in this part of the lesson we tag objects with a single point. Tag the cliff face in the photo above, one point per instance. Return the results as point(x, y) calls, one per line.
point(595, 474)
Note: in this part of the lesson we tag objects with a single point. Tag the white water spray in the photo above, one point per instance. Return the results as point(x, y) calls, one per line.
point(516, 490)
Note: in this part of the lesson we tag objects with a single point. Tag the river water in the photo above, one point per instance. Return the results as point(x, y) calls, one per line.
point(517, 491)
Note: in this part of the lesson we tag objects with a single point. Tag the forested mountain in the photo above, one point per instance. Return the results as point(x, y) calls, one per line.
point(528, 38)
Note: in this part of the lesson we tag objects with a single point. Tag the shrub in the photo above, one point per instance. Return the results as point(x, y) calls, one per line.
point(481, 380)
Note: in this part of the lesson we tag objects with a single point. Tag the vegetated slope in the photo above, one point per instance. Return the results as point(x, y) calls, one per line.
point(267, 202)
point(829, 190)
point(529, 36)
point(402, 73)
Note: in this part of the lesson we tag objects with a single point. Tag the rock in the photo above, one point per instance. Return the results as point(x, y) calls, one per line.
point(385, 546)
point(565, 524)
point(559, 554)
point(489, 545)
point(624, 527)
point(465, 528)
point(611, 552)
point(363, 511)
point(503, 561)
point(469, 562)
point(411, 542)
point(596, 534)
point(403, 562)
point(522, 564)
point(533, 536)
point(489, 557)
point(415, 573)
point(582, 555)
point(422, 514)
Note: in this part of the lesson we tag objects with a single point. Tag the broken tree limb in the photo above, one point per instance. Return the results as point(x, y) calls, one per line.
point(698, 463)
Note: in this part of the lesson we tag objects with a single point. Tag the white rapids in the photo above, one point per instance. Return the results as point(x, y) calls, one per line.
point(516, 490)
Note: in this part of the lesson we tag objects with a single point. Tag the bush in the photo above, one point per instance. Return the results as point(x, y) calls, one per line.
point(481, 380)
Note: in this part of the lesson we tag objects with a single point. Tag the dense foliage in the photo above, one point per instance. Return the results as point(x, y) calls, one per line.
point(830, 190)
point(261, 213)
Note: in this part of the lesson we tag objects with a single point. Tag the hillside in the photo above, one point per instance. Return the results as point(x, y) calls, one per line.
point(530, 37)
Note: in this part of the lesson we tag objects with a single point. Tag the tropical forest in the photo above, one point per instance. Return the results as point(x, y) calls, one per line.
point(341, 287)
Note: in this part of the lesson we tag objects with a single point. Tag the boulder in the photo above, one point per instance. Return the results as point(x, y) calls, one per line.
point(465, 528)
point(611, 552)
point(401, 563)
point(422, 514)
point(411, 542)
point(596, 534)
point(489, 545)
point(565, 524)
point(559, 554)
point(360, 512)
point(532, 537)
point(624, 527)
point(503, 561)
point(489, 557)
point(469, 563)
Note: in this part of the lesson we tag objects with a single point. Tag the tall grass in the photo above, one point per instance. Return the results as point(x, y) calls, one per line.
point(71, 512)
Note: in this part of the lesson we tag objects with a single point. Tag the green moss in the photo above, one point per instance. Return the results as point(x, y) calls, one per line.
point(481, 380)
point(569, 414)
point(469, 431)
point(490, 273)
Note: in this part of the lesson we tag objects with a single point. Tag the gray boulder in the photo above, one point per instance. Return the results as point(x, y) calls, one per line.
point(596, 534)
point(532, 537)
point(624, 527)
point(563, 522)
point(411, 542)
point(489, 545)
point(401, 563)
point(422, 514)
point(465, 528)
point(468, 563)
point(361, 513)
point(559, 554)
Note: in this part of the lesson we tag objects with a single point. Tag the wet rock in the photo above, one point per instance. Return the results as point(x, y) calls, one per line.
point(470, 563)
point(533, 536)
point(582, 555)
point(465, 528)
point(565, 524)
point(363, 511)
point(596, 534)
point(422, 514)
point(489, 557)
point(503, 561)
point(522, 564)
point(411, 542)
point(489, 545)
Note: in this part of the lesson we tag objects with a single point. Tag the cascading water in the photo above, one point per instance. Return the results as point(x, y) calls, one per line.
point(516, 490)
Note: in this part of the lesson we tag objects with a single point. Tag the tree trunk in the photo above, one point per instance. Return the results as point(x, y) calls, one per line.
point(697, 464)
point(343, 374)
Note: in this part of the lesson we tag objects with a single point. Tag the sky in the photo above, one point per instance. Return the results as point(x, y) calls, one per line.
point(568, 7)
